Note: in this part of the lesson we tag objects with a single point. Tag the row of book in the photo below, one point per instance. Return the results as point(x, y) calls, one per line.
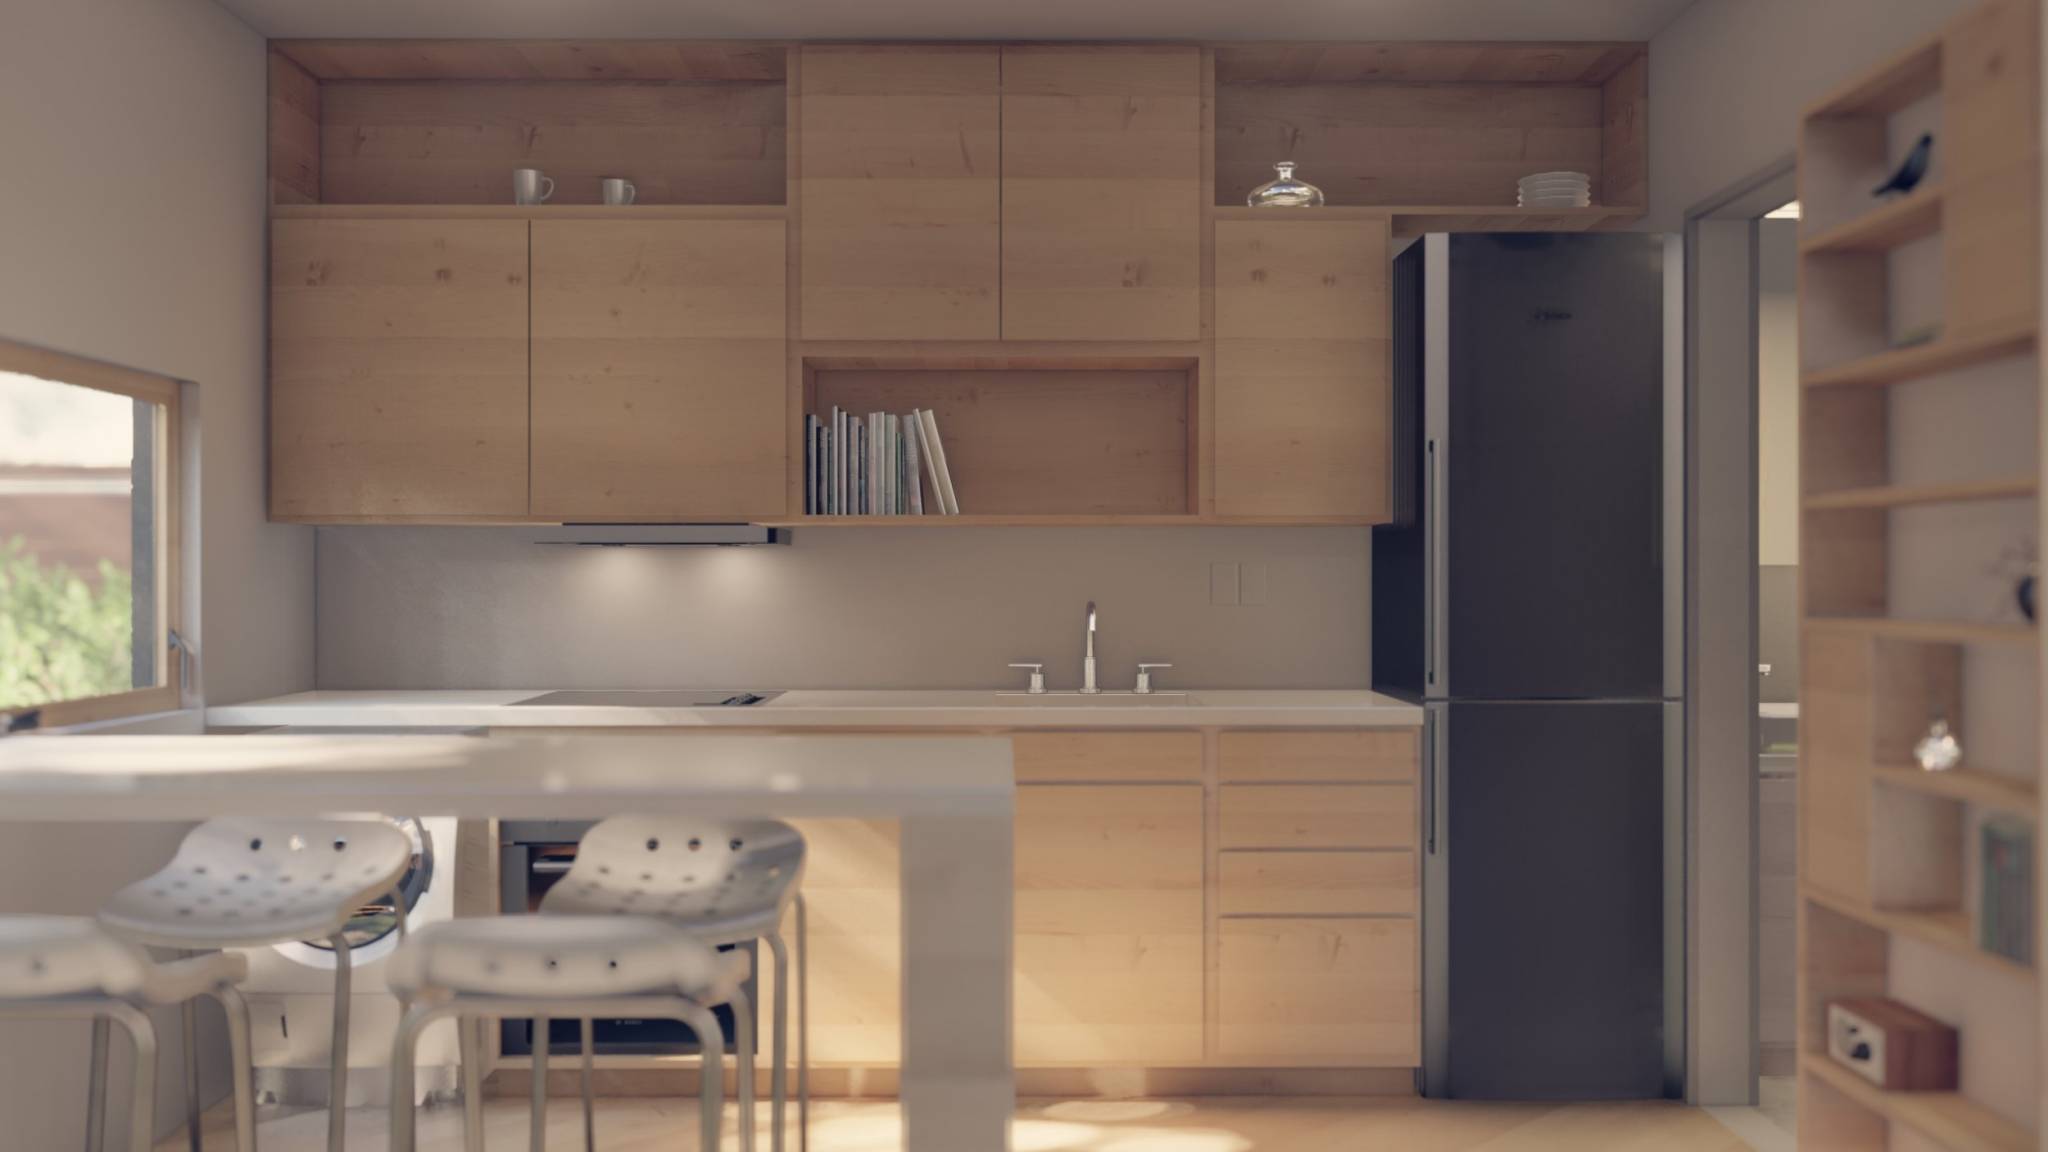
point(880, 464)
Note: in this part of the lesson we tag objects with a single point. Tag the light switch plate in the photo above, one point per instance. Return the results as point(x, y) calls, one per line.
point(1251, 583)
point(1223, 582)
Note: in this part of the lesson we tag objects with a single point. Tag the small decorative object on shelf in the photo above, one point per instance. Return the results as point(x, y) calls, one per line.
point(2005, 924)
point(1911, 171)
point(1915, 337)
point(2024, 593)
point(1892, 1046)
point(1938, 751)
point(1285, 191)
point(1555, 190)
point(2016, 567)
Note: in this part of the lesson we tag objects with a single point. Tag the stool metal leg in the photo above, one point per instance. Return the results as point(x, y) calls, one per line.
point(589, 1091)
point(778, 1046)
point(743, 1039)
point(711, 1098)
point(537, 1137)
point(404, 1050)
point(142, 1105)
point(96, 1087)
point(237, 1010)
point(189, 1024)
point(337, 1056)
point(472, 1034)
point(803, 1024)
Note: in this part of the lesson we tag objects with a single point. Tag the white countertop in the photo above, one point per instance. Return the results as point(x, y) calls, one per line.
point(972, 708)
point(537, 776)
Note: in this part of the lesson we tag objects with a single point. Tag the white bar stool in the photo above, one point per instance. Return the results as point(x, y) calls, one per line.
point(723, 882)
point(253, 883)
point(68, 967)
point(568, 966)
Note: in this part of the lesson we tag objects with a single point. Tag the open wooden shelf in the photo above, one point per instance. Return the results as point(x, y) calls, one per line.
point(1416, 219)
point(1895, 365)
point(1902, 80)
point(1948, 1118)
point(1926, 631)
point(1911, 217)
point(529, 212)
point(1945, 928)
point(1062, 520)
point(1971, 786)
point(1900, 496)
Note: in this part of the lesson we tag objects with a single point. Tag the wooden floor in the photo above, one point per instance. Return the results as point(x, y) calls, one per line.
point(1214, 1124)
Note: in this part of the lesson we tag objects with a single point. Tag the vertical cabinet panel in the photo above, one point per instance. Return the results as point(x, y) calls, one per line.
point(899, 193)
point(856, 964)
point(1109, 924)
point(1101, 193)
point(1302, 341)
point(659, 370)
point(398, 368)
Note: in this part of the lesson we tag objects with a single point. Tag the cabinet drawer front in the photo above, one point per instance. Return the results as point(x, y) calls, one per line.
point(1318, 816)
point(1319, 991)
point(1382, 756)
point(1318, 883)
point(1137, 757)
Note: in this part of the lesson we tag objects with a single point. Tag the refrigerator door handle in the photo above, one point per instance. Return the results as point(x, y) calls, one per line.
point(1433, 487)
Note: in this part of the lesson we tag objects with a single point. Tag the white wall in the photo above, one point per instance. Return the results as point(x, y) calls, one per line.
point(1777, 383)
point(1728, 79)
point(133, 190)
point(867, 607)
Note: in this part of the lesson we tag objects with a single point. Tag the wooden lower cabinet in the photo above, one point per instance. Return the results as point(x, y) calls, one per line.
point(1109, 924)
point(1319, 991)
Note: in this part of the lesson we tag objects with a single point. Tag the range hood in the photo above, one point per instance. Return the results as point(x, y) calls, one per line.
point(659, 535)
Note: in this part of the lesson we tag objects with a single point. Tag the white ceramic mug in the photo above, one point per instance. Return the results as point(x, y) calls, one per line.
point(530, 186)
point(618, 191)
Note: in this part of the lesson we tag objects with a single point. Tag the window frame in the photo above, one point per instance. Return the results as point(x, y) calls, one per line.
point(151, 388)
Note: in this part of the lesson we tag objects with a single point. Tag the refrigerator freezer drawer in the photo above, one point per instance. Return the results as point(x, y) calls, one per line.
point(1318, 815)
point(1307, 991)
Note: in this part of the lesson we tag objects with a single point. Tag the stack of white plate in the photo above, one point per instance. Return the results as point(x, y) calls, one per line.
point(1556, 190)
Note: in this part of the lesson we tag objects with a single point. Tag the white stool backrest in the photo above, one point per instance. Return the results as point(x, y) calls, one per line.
point(680, 868)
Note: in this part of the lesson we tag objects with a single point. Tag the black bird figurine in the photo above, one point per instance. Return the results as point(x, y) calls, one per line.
point(1911, 172)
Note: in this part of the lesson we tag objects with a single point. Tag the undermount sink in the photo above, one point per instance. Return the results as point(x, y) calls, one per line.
point(1154, 699)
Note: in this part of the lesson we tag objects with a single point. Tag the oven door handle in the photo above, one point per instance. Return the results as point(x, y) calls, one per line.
point(550, 867)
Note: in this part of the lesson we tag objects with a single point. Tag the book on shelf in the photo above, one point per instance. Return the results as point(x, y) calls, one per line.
point(877, 464)
point(2006, 920)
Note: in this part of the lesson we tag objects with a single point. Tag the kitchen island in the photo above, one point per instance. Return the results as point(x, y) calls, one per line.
point(953, 797)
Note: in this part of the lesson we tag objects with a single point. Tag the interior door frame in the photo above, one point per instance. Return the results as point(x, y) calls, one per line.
point(1721, 551)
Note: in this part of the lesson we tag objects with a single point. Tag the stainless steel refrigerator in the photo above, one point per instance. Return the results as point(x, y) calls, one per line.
point(1526, 594)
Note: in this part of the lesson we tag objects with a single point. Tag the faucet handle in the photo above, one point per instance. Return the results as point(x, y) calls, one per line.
point(1144, 687)
point(1037, 678)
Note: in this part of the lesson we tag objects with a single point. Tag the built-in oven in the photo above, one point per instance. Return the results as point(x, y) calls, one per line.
point(533, 855)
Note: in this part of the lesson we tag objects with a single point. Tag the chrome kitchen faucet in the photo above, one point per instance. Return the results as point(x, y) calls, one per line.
point(1088, 660)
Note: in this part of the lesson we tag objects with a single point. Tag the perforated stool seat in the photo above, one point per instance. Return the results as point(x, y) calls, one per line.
point(566, 966)
point(722, 881)
point(71, 967)
point(238, 883)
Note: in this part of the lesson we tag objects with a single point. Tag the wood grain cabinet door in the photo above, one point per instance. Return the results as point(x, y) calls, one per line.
point(1302, 347)
point(899, 192)
point(1109, 924)
point(659, 369)
point(1102, 190)
point(398, 369)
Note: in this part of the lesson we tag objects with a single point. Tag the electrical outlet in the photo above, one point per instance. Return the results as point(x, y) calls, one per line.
point(1251, 584)
point(1223, 585)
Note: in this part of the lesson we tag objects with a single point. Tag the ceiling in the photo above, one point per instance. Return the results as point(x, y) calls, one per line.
point(965, 19)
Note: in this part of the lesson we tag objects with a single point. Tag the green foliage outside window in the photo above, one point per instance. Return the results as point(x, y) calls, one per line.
point(60, 637)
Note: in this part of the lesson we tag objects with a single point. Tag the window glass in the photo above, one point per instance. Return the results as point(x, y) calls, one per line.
point(79, 548)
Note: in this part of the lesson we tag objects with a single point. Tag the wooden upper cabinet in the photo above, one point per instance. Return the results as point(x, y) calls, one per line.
point(900, 194)
point(1101, 193)
point(659, 369)
point(1302, 344)
point(398, 369)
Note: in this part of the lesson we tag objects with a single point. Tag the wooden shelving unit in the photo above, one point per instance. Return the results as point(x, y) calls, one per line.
point(1969, 785)
point(1416, 219)
point(1945, 1117)
point(1886, 851)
